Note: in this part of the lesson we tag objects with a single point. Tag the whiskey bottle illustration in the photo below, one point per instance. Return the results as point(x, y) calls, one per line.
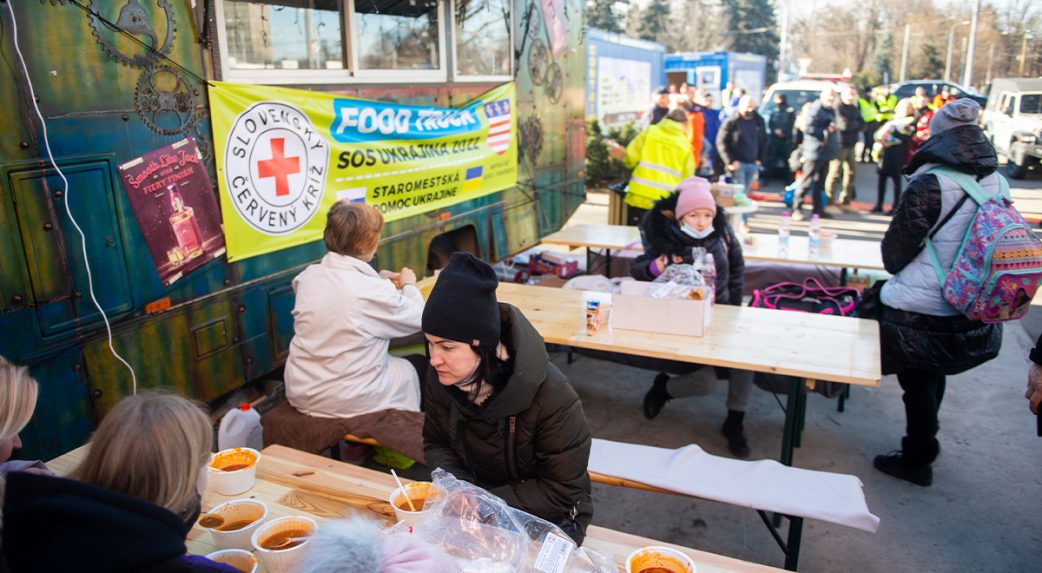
point(186, 229)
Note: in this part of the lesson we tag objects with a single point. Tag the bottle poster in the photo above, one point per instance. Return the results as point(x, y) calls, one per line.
point(176, 208)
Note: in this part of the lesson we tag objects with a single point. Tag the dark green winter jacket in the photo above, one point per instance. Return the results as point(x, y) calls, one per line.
point(528, 442)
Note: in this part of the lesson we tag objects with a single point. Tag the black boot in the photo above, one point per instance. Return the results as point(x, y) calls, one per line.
point(896, 464)
point(657, 397)
point(735, 434)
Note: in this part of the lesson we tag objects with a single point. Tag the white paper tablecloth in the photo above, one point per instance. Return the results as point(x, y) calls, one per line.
point(764, 484)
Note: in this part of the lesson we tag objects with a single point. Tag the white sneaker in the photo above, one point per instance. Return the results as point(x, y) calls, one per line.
point(833, 210)
point(797, 215)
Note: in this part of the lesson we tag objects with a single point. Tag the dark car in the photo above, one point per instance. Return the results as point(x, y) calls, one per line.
point(934, 87)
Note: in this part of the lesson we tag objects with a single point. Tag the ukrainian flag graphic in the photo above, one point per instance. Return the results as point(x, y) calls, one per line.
point(472, 181)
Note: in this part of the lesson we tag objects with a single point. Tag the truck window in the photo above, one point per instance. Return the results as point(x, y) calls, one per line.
point(482, 34)
point(279, 36)
point(1007, 108)
point(1031, 103)
point(397, 35)
point(343, 41)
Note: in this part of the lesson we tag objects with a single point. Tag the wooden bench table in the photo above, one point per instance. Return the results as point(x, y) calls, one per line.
point(846, 253)
point(807, 346)
point(292, 482)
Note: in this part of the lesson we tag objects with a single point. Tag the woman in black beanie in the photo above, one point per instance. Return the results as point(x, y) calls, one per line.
point(498, 413)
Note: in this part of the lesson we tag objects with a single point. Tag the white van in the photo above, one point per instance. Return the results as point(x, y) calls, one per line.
point(796, 94)
point(1013, 121)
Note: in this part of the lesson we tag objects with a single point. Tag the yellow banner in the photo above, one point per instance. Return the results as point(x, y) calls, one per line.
point(284, 156)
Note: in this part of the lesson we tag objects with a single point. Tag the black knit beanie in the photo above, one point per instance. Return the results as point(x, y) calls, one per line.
point(462, 306)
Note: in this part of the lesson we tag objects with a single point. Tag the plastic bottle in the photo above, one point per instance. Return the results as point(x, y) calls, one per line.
point(240, 428)
point(709, 275)
point(783, 233)
point(814, 236)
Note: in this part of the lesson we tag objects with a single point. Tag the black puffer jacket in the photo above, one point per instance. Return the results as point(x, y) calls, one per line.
point(661, 235)
point(728, 140)
point(58, 524)
point(944, 344)
point(528, 442)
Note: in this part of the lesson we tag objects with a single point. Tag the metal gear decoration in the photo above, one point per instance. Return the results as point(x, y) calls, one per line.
point(165, 100)
point(531, 138)
point(538, 60)
point(554, 81)
point(134, 19)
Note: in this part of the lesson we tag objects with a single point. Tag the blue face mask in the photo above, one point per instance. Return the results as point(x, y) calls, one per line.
point(695, 233)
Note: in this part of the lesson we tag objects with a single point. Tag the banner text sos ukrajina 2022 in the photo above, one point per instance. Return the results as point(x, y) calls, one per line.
point(284, 156)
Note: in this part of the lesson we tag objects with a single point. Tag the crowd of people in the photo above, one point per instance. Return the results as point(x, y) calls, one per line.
point(498, 412)
point(817, 147)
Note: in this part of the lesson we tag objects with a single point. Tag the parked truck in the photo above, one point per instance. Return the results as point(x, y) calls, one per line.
point(116, 80)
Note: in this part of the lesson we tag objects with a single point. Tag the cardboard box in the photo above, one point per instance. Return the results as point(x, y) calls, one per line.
point(554, 264)
point(723, 193)
point(634, 309)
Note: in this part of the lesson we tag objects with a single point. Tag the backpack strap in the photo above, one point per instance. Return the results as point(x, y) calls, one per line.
point(973, 190)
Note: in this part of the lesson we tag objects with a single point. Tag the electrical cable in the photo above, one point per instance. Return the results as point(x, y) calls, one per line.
point(68, 210)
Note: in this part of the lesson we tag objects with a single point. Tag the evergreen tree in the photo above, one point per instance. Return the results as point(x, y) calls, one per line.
point(654, 20)
point(599, 14)
point(882, 60)
point(932, 64)
point(754, 27)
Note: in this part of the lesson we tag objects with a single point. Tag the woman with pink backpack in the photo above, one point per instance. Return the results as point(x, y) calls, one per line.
point(925, 335)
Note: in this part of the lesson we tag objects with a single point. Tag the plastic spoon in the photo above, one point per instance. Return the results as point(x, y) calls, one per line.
point(210, 521)
point(285, 543)
point(405, 493)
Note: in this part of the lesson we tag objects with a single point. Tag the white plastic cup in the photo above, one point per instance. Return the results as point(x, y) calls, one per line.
point(827, 240)
point(237, 510)
point(414, 490)
point(661, 557)
point(285, 560)
point(233, 482)
point(239, 558)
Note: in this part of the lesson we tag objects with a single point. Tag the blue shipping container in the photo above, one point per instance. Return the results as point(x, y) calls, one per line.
point(621, 74)
point(712, 71)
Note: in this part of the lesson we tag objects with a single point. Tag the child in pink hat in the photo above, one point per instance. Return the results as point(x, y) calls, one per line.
point(686, 219)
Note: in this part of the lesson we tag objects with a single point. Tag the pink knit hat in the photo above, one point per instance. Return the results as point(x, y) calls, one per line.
point(694, 194)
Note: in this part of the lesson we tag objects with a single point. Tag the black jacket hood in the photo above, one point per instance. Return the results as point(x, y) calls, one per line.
point(965, 148)
point(58, 524)
point(661, 232)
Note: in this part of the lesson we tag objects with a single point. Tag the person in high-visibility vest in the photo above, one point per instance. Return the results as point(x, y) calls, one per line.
point(886, 103)
point(870, 117)
point(660, 157)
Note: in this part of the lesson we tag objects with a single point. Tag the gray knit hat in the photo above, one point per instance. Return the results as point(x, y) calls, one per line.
point(963, 111)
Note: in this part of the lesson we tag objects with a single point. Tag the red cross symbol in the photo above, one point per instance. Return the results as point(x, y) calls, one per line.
point(279, 166)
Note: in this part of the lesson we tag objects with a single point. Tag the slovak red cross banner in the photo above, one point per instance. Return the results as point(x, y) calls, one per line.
point(284, 156)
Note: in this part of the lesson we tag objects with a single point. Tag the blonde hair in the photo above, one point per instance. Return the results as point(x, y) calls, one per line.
point(353, 229)
point(18, 392)
point(153, 447)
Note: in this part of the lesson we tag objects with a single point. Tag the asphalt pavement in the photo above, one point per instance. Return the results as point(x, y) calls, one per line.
point(982, 513)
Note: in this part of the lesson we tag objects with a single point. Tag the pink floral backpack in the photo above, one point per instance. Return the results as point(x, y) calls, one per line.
point(998, 266)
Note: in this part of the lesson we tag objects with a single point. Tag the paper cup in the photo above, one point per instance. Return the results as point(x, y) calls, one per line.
point(827, 240)
point(235, 511)
point(238, 481)
point(239, 558)
point(285, 560)
point(661, 558)
point(424, 490)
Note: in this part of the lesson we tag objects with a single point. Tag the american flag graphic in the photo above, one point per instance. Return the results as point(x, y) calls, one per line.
point(499, 135)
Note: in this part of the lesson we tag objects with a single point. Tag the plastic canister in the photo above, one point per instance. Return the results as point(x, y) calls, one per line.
point(241, 428)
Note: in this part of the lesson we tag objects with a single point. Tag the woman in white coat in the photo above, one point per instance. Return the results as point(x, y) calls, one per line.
point(344, 318)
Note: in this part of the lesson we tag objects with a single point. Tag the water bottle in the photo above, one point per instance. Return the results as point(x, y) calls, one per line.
point(814, 236)
point(241, 428)
point(709, 276)
point(783, 233)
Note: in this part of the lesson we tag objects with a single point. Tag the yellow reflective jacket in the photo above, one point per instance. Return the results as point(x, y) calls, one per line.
point(886, 107)
point(659, 157)
point(869, 113)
